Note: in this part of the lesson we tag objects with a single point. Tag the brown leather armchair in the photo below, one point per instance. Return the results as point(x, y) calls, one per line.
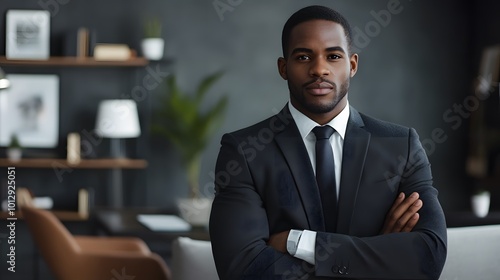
point(84, 257)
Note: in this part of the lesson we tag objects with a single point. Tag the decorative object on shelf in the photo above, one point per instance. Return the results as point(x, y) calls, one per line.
point(181, 120)
point(15, 150)
point(480, 203)
point(28, 34)
point(73, 148)
point(84, 203)
point(153, 44)
point(112, 52)
point(489, 72)
point(4, 82)
point(117, 119)
point(31, 110)
point(82, 42)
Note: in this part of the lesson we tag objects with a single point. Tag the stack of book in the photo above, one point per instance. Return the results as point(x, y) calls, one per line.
point(112, 52)
point(86, 46)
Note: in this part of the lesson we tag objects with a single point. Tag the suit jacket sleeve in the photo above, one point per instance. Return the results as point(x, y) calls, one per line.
point(239, 226)
point(419, 254)
point(239, 230)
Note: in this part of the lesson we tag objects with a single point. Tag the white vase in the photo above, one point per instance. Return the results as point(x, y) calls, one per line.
point(481, 204)
point(196, 211)
point(152, 48)
point(14, 154)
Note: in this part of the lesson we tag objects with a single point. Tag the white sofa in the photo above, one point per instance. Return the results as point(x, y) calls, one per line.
point(473, 253)
point(192, 259)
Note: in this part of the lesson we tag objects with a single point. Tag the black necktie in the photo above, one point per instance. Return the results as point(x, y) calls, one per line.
point(325, 176)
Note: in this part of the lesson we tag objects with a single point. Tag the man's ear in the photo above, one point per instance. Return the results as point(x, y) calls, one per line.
point(354, 64)
point(282, 68)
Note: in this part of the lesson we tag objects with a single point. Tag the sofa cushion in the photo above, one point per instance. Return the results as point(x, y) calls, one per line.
point(192, 259)
point(473, 253)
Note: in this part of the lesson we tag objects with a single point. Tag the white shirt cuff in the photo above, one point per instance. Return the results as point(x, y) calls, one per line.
point(306, 247)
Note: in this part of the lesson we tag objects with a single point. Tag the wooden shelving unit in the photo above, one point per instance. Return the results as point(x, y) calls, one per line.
point(68, 216)
point(84, 164)
point(68, 61)
point(115, 165)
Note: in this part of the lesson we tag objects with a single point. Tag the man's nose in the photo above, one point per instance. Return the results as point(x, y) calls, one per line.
point(319, 68)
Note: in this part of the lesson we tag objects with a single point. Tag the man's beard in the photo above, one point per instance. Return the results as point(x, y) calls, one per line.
point(320, 108)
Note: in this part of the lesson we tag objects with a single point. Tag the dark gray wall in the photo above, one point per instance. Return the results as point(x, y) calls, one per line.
point(414, 68)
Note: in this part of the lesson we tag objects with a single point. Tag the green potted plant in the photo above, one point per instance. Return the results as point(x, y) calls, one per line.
point(152, 44)
point(183, 122)
point(14, 150)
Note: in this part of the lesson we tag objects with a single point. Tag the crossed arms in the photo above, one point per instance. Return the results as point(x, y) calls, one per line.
point(246, 245)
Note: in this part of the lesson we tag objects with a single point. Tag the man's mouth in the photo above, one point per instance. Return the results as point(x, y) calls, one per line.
point(321, 88)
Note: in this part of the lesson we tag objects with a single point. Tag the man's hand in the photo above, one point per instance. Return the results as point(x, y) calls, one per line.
point(278, 241)
point(403, 215)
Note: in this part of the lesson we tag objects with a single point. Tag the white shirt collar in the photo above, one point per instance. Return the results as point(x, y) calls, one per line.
point(305, 124)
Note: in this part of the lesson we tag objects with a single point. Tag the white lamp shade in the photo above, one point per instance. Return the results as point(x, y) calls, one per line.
point(118, 119)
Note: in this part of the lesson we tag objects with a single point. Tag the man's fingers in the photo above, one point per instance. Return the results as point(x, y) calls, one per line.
point(397, 202)
point(412, 222)
point(390, 215)
point(401, 212)
point(405, 205)
point(407, 215)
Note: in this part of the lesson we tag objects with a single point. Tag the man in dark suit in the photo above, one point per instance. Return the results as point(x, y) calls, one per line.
point(321, 190)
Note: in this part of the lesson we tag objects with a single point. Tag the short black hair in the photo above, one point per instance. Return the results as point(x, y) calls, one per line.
point(313, 13)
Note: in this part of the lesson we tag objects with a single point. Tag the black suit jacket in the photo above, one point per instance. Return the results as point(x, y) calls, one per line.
point(265, 184)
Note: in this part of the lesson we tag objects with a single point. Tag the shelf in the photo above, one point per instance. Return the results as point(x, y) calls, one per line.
point(61, 215)
point(84, 163)
point(69, 61)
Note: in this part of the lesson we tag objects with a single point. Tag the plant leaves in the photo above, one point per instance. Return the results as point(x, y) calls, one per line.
point(180, 118)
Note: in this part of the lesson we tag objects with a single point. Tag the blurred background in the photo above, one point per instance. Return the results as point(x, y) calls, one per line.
point(415, 67)
point(419, 62)
point(418, 67)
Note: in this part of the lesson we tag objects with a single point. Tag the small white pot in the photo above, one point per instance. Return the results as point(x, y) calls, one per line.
point(196, 211)
point(14, 154)
point(481, 204)
point(152, 48)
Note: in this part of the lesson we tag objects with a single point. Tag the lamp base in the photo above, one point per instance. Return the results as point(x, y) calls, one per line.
point(117, 148)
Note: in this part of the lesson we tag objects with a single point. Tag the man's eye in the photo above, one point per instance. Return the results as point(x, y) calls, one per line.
point(302, 57)
point(334, 56)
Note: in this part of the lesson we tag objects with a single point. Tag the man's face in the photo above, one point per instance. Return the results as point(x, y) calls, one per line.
point(318, 69)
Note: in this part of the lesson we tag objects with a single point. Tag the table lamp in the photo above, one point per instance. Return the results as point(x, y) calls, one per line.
point(117, 119)
point(4, 83)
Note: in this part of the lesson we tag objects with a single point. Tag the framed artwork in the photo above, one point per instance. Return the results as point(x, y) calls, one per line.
point(27, 34)
point(30, 110)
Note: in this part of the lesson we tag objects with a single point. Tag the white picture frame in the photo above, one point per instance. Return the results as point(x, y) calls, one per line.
point(29, 108)
point(27, 34)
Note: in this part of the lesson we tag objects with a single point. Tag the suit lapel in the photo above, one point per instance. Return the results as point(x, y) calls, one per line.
point(295, 153)
point(353, 160)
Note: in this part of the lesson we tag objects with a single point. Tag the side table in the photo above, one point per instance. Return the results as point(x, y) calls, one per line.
point(123, 222)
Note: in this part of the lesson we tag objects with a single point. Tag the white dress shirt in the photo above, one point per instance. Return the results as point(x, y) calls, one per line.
point(307, 240)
